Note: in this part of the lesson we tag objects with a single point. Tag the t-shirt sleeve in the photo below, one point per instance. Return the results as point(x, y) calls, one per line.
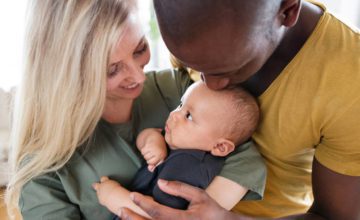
point(339, 149)
point(45, 198)
point(246, 167)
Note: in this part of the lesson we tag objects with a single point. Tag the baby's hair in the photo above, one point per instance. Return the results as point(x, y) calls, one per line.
point(245, 115)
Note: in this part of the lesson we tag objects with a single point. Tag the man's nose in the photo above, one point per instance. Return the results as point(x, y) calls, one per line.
point(215, 83)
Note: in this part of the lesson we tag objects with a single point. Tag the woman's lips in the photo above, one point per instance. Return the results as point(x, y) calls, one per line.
point(131, 86)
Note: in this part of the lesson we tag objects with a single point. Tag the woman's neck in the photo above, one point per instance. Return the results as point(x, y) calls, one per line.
point(117, 112)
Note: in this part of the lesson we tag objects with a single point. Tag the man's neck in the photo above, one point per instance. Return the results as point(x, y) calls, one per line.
point(293, 40)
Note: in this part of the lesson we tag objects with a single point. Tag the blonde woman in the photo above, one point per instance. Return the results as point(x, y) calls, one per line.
point(83, 99)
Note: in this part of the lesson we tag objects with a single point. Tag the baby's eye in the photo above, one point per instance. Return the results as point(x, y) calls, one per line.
point(188, 116)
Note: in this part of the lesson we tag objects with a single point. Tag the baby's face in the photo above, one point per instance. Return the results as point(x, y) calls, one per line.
point(199, 120)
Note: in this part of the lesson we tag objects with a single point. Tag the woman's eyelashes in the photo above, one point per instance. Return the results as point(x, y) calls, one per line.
point(117, 67)
point(142, 49)
point(114, 69)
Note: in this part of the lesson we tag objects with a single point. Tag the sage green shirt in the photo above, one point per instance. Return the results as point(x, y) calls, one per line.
point(67, 193)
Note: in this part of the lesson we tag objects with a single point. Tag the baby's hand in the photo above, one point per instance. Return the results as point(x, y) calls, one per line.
point(154, 155)
point(104, 190)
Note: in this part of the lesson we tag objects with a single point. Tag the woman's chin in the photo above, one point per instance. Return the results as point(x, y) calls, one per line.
point(132, 93)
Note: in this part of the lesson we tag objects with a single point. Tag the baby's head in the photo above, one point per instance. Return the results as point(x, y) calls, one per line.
point(214, 121)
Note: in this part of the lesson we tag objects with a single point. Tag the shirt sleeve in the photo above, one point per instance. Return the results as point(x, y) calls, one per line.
point(339, 149)
point(246, 167)
point(44, 198)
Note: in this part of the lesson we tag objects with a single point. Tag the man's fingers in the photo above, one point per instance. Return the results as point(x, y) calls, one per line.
point(183, 190)
point(128, 214)
point(154, 209)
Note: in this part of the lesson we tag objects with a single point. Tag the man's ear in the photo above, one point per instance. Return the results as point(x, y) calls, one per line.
point(222, 147)
point(289, 12)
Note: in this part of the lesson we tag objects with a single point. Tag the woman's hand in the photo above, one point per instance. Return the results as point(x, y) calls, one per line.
point(201, 205)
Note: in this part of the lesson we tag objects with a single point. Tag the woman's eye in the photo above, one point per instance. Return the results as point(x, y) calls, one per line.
point(180, 105)
point(114, 69)
point(188, 116)
point(142, 49)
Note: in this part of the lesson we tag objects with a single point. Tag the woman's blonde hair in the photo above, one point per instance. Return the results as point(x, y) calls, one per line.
point(63, 89)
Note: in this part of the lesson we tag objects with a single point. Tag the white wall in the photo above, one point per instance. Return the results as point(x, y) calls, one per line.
point(348, 10)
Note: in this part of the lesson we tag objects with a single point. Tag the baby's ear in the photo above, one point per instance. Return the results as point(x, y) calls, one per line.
point(223, 147)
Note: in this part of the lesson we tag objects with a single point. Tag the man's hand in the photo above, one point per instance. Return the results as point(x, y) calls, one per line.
point(201, 205)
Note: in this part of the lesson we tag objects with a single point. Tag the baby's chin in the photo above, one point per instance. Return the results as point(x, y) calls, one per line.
point(172, 147)
point(169, 142)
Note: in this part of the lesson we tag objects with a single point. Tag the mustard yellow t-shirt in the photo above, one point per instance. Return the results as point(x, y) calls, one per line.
point(312, 108)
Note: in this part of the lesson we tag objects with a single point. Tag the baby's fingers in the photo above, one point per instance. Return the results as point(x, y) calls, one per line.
point(153, 161)
point(152, 167)
point(95, 186)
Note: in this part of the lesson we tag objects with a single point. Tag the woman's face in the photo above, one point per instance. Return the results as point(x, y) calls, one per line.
point(125, 76)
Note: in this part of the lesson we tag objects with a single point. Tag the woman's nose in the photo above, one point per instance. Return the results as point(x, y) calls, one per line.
point(215, 83)
point(137, 73)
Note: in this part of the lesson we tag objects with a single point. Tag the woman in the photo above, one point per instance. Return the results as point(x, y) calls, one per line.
point(82, 101)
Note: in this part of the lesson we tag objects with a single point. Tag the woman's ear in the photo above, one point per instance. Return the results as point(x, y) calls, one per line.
point(223, 147)
point(289, 12)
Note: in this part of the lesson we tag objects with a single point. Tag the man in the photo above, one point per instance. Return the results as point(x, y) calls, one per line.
point(303, 64)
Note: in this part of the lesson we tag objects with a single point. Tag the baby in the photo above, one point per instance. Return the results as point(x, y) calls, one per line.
point(201, 132)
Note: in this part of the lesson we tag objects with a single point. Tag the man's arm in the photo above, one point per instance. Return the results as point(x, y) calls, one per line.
point(336, 196)
point(152, 146)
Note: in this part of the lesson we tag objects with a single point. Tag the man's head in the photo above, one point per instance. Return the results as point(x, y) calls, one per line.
point(214, 121)
point(227, 40)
